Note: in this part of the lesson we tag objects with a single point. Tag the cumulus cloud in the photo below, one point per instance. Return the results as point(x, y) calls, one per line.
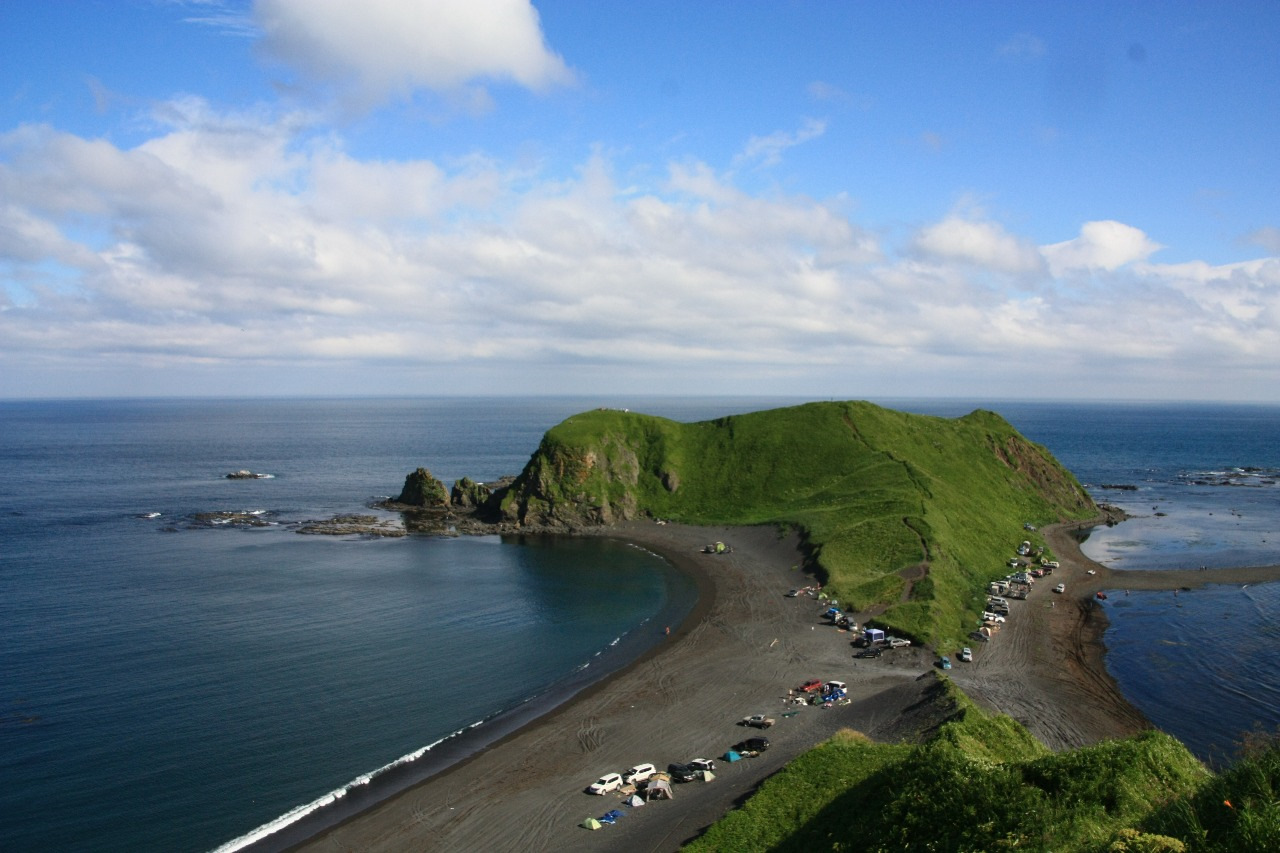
point(386, 48)
point(1105, 245)
point(979, 243)
point(235, 239)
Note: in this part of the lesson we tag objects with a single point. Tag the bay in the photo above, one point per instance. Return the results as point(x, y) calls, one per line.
point(171, 686)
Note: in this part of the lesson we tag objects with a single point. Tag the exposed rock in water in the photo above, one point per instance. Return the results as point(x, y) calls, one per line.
point(353, 525)
point(233, 518)
point(468, 494)
point(421, 489)
point(246, 474)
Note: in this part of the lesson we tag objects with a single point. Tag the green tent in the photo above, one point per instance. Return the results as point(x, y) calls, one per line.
point(591, 823)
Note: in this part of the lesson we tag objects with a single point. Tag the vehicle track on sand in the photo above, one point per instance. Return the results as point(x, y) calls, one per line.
point(590, 736)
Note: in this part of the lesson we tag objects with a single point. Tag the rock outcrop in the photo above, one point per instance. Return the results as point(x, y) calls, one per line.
point(423, 490)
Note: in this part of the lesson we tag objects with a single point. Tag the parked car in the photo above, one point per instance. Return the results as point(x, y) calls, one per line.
point(1060, 588)
point(639, 773)
point(757, 721)
point(702, 764)
point(966, 654)
point(897, 642)
point(811, 685)
point(606, 783)
point(991, 616)
point(945, 662)
point(752, 744)
point(868, 653)
point(684, 772)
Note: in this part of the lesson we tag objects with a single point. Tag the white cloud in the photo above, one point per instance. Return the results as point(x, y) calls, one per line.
point(236, 240)
point(1267, 238)
point(980, 243)
point(764, 151)
point(388, 48)
point(1105, 245)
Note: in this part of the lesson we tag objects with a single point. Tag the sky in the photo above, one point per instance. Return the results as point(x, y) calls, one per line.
point(1001, 200)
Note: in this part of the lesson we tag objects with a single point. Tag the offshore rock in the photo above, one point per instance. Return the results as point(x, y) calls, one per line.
point(423, 490)
point(353, 525)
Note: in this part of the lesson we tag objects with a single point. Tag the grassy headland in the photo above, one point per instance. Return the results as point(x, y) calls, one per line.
point(981, 782)
point(904, 514)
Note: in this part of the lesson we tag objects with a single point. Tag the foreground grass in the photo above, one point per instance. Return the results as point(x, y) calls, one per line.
point(981, 782)
point(908, 513)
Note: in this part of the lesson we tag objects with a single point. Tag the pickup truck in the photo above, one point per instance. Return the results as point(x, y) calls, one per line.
point(758, 721)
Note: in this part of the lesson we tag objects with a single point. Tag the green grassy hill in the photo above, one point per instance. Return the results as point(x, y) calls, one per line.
point(908, 513)
point(981, 782)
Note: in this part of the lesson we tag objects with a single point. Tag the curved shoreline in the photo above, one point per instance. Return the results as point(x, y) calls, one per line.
point(735, 652)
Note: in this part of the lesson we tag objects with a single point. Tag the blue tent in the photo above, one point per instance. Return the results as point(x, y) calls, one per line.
point(732, 756)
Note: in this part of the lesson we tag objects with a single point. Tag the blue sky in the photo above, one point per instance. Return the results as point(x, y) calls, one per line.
point(997, 200)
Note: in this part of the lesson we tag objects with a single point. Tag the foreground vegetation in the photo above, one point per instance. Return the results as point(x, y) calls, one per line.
point(903, 513)
point(982, 782)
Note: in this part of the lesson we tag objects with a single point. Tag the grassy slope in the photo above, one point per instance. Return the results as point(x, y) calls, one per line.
point(876, 492)
point(981, 782)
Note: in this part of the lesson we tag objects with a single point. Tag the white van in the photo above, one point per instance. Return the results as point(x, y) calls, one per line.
point(606, 783)
point(639, 773)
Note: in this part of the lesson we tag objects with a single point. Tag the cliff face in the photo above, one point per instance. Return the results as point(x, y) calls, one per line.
point(569, 486)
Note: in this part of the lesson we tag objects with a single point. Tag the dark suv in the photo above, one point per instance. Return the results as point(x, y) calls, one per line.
point(684, 772)
point(752, 744)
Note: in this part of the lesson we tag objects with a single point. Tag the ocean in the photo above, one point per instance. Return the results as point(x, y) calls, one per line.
point(180, 670)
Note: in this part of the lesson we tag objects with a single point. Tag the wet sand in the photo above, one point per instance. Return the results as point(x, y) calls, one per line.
point(738, 653)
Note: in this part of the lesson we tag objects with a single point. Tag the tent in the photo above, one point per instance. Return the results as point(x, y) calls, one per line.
point(634, 800)
point(732, 756)
point(658, 789)
point(708, 776)
point(874, 635)
point(591, 823)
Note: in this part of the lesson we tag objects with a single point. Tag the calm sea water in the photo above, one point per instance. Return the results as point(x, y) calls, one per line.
point(170, 685)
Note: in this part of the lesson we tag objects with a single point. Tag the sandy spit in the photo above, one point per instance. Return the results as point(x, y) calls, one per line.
point(738, 653)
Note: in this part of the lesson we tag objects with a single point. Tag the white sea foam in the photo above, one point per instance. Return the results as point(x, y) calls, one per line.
point(296, 814)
